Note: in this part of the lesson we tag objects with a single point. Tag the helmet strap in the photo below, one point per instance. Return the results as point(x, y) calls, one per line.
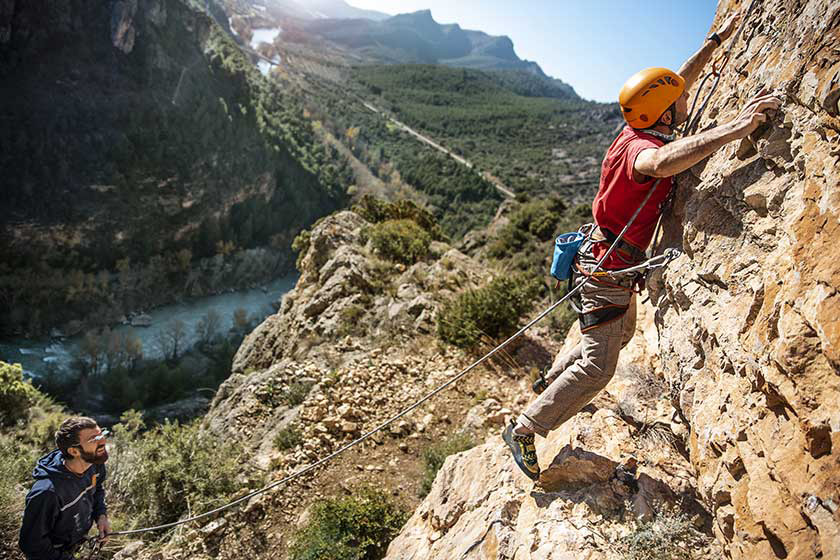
point(665, 137)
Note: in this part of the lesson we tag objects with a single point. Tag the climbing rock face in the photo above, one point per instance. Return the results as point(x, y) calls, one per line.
point(747, 317)
point(606, 472)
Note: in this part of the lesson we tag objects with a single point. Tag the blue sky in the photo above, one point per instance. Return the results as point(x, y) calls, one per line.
point(593, 45)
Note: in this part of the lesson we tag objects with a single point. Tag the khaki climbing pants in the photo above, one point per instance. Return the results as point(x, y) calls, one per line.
point(578, 375)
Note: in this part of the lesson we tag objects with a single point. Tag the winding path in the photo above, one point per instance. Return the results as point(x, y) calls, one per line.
point(495, 181)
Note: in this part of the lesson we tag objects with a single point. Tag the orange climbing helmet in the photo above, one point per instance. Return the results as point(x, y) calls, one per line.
point(648, 94)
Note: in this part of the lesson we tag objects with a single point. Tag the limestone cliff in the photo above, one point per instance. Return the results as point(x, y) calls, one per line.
point(746, 335)
point(747, 318)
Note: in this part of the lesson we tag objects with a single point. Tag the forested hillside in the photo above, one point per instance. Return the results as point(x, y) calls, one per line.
point(509, 123)
point(138, 140)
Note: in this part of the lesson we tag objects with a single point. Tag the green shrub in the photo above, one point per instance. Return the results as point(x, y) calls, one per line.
point(287, 438)
point(301, 246)
point(350, 320)
point(669, 536)
point(16, 462)
point(375, 210)
point(297, 392)
point(358, 527)
point(161, 474)
point(16, 394)
point(492, 310)
point(436, 454)
point(400, 240)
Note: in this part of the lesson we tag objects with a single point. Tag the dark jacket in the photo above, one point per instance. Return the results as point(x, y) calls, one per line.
point(60, 508)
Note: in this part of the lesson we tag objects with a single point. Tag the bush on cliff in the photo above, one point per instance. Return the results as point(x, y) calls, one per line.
point(16, 394)
point(356, 527)
point(402, 241)
point(170, 470)
point(669, 536)
point(375, 211)
point(492, 311)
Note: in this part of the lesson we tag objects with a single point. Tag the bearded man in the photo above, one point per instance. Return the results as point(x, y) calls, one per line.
point(68, 495)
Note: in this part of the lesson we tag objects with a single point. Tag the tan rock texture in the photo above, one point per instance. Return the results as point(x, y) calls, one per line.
point(611, 466)
point(747, 317)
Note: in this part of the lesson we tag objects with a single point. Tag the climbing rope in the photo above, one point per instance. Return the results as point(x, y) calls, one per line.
point(657, 262)
point(717, 67)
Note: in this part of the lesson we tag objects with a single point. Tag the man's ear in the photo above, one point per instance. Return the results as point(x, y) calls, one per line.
point(73, 452)
point(667, 118)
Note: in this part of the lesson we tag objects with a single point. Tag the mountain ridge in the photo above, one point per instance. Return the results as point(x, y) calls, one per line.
point(417, 38)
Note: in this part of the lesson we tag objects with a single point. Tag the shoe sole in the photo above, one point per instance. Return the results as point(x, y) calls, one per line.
point(507, 436)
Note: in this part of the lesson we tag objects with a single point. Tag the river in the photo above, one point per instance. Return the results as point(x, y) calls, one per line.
point(37, 355)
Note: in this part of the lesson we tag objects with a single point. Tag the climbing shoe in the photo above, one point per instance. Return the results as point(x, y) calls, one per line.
point(523, 450)
point(541, 384)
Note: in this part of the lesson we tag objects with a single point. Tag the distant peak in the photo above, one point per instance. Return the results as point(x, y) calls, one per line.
point(420, 15)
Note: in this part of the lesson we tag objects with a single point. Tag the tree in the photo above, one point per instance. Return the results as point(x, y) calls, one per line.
point(91, 354)
point(134, 350)
point(170, 339)
point(16, 394)
point(208, 327)
point(240, 319)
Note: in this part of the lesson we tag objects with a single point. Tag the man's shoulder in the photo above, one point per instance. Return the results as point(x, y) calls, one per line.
point(630, 136)
point(643, 137)
point(43, 489)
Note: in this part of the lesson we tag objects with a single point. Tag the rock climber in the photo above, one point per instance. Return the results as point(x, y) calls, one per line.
point(654, 102)
point(68, 496)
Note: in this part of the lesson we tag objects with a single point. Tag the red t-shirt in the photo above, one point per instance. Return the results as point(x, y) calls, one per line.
point(619, 195)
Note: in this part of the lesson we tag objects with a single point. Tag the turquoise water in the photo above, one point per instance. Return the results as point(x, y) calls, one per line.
point(37, 355)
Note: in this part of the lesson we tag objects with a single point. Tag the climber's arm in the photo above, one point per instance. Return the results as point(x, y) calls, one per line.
point(691, 68)
point(681, 154)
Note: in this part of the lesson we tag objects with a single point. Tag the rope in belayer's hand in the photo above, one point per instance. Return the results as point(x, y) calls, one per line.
point(414, 406)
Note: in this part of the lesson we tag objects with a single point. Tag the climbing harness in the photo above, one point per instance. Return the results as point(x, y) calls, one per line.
point(693, 120)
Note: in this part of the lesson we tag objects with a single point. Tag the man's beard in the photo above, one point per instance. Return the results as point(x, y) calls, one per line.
point(95, 458)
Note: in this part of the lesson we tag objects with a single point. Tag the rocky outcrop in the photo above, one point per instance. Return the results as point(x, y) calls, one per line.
point(321, 360)
point(344, 289)
point(750, 336)
point(605, 474)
